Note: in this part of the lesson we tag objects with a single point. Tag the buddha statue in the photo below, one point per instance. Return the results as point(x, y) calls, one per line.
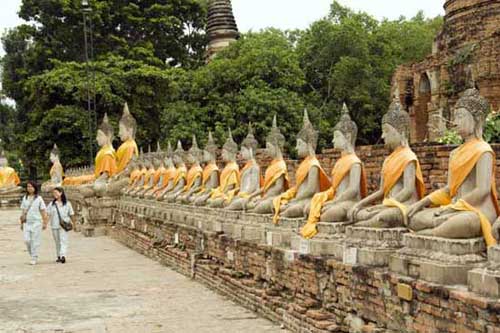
point(179, 181)
point(348, 180)
point(9, 179)
point(168, 176)
point(210, 179)
point(194, 179)
point(56, 171)
point(276, 180)
point(127, 150)
point(147, 176)
point(137, 175)
point(250, 174)
point(154, 173)
point(310, 176)
point(467, 206)
point(105, 161)
point(401, 181)
point(157, 180)
point(229, 177)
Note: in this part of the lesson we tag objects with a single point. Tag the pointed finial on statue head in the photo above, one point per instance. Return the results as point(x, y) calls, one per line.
point(170, 150)
point(306, 117)
point(195, 142)
point(230, 145)
point(308, 134)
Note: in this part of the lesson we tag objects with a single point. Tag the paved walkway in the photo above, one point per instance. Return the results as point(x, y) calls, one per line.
point(105, 287)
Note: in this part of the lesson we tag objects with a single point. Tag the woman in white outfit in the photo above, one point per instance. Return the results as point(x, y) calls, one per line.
point(60, 209)
point(33, 220)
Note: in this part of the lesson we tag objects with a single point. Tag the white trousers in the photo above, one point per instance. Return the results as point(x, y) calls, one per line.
point(61, 240)
point(32, 234)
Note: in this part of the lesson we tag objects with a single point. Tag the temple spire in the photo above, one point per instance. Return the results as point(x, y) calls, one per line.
point(221, 26)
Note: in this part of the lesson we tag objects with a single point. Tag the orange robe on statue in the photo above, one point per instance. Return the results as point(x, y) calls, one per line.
point(194, 173)
point(207, 174)
point(392, 170)
point(230, 176)
point(105, 161)
point(125, 153)
point(301, 176)
point(462, 162)
point(8, 178)
point(274, 171)
point(341, 169)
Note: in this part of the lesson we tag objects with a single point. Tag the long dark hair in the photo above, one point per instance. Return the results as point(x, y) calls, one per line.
point(35, 186)
point(63, 195)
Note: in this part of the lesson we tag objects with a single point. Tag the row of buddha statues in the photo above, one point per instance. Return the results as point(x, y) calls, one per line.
point(466, 207)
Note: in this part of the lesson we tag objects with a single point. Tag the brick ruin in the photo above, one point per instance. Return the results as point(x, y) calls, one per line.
point(468, 41)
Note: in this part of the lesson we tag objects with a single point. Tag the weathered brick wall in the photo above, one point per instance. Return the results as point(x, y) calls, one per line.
point(307, 293)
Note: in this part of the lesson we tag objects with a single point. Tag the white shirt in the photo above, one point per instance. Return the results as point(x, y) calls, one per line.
point(33, 216)
point(66, 212)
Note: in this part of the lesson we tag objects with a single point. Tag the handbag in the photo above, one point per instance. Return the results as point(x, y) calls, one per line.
point(67, 226)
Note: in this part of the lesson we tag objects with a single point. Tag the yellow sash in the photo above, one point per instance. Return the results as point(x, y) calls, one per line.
point(194, 173)
point(180, 173)
point(462, 162)
point(9, 177)
point(134, 175)
point(168, 174)
point(301, 175)
point(230, 175)
point(392, 170)
point(105, 161)
point(274, 171)
point(125, 153)
point(230, 195)
point(341, 169)
point(149, 175)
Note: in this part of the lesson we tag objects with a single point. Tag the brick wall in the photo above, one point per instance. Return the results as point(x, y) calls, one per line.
point(308, 294)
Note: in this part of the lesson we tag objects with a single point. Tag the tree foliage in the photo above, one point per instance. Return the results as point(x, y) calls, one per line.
point(151, 54)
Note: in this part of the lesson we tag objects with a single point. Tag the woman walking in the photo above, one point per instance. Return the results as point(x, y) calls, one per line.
point(33, 220)
point(60, 213)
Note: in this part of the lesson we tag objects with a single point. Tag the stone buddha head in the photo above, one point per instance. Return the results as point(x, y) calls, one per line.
point(193, 156)
point(249, 145)
point(395, 126)
point(470, 114)
point(275, 141)
point(210, 151)
point(54, 154)
point(105, 132)
point(307, 139)
point(127, 125)
point(179, 154)
point(345, 132)
point(230, 148)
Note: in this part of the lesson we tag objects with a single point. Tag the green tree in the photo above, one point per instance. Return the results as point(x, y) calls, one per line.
point(250, 81)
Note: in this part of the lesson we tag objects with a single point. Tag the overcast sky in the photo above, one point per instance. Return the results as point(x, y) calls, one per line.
point(284, 14)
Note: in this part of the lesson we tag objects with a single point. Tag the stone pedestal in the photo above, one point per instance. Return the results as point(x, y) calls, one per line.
point(330, 241)
point(438, 260)
point(486, 281)
point(372, 246)
point(8, 201)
